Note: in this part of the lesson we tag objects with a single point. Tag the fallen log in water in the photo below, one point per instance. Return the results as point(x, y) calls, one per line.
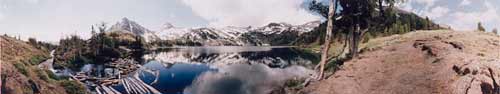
point(97, 90)
point(114, 90)
point(107, 90)
point(133, 89)
point(139, 85)
point(125, 86)
point(136, 77)
point(131, 83)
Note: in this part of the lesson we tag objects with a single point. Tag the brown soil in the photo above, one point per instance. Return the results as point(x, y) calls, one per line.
point(422, 62)
point(13, 81)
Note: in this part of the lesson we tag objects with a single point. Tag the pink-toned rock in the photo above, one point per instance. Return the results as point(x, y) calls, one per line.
point(422, 62)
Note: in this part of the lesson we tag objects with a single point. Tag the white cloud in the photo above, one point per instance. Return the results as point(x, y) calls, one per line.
point(245, 79)
point(427, 3)
point(250, 12)
point(33, 1)
point(469, 20)
point(1, 16)
point(465, 3)
point(452, 12)
point(2, 12)
point(437, 12)
point(405, 6)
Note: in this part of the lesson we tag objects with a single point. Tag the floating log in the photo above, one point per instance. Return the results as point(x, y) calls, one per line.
point(125, 86)
point(153, 90)
point(114, 90)
point(97, 90)
point(141, 89)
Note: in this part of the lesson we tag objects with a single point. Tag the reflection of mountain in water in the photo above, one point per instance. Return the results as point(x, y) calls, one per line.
point(216, 56)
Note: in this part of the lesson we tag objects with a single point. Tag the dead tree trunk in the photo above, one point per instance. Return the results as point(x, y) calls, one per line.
point(355, 41)
point(326, 45)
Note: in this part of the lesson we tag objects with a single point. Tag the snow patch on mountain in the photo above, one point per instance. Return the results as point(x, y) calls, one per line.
point(230, 35)
point(215, 36)
point(128, 26)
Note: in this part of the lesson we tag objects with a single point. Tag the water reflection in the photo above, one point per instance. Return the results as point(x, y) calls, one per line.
point(224, 70)
point(272, 56)
point(208, 70)
point(245, 79)
point(172, 78)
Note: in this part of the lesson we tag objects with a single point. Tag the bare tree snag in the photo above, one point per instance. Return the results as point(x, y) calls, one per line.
point(326, 44)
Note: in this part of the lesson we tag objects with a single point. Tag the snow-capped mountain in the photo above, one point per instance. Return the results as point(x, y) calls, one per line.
point(230, 35)
point(128, 26)
point(278, 28)
point(271, 34)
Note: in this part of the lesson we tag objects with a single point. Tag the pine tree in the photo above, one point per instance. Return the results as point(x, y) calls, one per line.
point(427, 23)
point(495, 31)
point(480, 27)
point(93, 30)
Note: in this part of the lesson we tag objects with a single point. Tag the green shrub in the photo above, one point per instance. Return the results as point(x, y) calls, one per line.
point(42, 75)
point(294, 82)
point(37, 59)
point(21, 68)
point(73, 87)
point(52, 75)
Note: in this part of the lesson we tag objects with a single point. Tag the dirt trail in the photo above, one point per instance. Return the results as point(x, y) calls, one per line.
point(422, 62)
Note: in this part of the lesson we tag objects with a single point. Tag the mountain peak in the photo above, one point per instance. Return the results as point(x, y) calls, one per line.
point(273, 24)
point(167, 26)
point(125, 19)
point(129, 25)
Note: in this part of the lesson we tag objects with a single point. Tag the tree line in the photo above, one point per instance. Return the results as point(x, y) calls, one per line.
point(102, 47)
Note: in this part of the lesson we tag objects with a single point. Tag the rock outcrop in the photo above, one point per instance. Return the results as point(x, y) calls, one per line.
point(422, 62)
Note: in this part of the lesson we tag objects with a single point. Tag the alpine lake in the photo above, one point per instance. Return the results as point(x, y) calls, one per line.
point(205, 70)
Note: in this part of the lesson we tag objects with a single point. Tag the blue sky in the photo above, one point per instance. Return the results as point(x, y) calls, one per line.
point(50, 20)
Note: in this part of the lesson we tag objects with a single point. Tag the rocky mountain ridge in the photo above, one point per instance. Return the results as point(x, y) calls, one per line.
point(270, 34)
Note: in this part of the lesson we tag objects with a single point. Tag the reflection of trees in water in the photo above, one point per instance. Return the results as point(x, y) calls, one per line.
point(276, 57)
point(208, 57)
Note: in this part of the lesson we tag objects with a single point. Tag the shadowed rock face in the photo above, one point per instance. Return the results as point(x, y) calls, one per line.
point(422, 62)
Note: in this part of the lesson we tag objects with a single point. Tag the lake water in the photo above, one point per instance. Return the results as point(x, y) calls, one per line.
point(222, 70)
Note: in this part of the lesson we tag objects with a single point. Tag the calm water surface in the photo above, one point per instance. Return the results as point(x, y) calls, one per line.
point(222, 70)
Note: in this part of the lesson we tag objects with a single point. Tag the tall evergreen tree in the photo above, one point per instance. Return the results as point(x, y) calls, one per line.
point(495, 31)
point(480, 27)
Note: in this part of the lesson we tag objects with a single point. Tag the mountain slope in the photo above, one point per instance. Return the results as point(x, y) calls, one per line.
point(128, 26)
point(422, 62)
point(19, 73)
point(272, 34)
